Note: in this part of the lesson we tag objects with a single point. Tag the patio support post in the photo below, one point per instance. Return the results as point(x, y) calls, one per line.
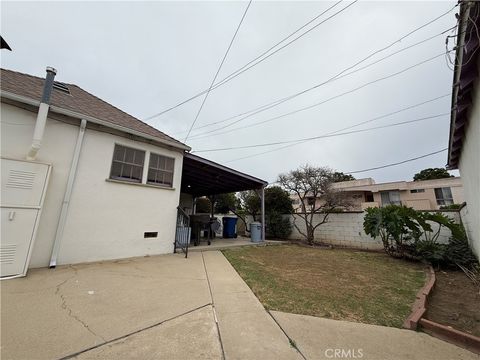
point(262, 202)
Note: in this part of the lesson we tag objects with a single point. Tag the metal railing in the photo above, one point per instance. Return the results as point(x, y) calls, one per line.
point(183, 231)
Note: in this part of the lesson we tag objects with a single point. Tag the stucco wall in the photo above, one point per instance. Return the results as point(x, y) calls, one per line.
point(469, 167)
point(57, 149)
point(106, 220)
point(346, 229)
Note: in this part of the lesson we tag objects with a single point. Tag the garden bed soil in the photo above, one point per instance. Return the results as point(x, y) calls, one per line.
point(455, 302)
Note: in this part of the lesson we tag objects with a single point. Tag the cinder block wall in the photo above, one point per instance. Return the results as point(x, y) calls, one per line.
point(346, 230)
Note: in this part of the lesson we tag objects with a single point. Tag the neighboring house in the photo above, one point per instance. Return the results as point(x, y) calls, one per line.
point(84, 181)
point(420, 195)
point(464, 140)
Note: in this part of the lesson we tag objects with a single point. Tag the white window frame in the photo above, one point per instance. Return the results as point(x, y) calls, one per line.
point(149, 167)
point(127, 180)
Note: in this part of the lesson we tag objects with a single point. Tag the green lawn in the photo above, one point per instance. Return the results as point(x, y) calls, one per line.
point(341, 284)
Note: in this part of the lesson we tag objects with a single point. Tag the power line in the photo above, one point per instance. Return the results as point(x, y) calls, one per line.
point(247, 67)
point(218, 70)
point(337, 76)
point(287, 98)
point(322, 136)
point(205, 135)
point(397, 163)
point(343, 129)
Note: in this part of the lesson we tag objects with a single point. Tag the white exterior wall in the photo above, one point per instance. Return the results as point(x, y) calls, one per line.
point(346, 229)
point(469, 167)
point(106, 220)
point(57, 149)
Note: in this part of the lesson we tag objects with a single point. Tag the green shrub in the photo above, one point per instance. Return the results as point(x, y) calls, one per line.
point(278, 226)
point(396, 227)
point(407, 233)
point(458, 251)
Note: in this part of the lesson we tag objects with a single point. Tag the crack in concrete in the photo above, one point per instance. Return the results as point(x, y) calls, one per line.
point(290, 340)
point(213, 309)
point(112, 341)
point(69, 310)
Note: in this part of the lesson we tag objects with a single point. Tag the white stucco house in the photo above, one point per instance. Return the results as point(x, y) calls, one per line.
point(84, 181)
point(464, 140)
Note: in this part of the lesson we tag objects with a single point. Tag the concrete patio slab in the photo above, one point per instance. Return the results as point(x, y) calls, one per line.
point(192, 336)
point(246, 329)
point(319, 338)
point(221, 244)
point(53, 313)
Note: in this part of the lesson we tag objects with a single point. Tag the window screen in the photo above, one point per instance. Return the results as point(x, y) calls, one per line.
point(160, 170)
point(127, 164)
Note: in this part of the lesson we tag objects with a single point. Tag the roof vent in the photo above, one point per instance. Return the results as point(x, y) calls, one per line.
point(61, 87)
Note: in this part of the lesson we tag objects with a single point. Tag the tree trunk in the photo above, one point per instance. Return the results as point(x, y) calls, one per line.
point(310, 234)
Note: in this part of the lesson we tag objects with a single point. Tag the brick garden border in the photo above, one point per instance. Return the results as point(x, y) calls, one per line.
point(419, 307)
point(446, 333)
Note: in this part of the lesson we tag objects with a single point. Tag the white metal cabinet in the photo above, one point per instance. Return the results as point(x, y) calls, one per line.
point(23, 187)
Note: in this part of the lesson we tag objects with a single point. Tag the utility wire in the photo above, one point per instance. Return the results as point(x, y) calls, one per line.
point(321, 136)
point(336, 77)
point(397, 163)
point(205, 135)
point(343, 129)
point(247, 67)
point(218, 70)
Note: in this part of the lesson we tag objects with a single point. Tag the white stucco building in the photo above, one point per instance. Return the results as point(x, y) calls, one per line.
point(464, 141)
point(101, 184)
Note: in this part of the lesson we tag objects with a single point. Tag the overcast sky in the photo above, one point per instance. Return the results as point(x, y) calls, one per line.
point(144, 57)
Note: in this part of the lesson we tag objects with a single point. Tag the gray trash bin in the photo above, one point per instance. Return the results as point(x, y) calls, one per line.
point(256, 232)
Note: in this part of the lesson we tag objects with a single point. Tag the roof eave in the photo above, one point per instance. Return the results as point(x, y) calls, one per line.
point(459, 118)
point(227, 169)
point(74, 114)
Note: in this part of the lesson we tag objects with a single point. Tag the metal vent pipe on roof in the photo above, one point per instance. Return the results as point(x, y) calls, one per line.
point(42, 114)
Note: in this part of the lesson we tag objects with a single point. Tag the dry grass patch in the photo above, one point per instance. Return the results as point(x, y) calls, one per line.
point(340, 284)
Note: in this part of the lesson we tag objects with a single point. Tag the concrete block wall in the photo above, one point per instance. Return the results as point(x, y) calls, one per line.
point(346, 230)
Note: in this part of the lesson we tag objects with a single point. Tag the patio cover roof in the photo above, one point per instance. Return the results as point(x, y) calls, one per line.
point(201, 177)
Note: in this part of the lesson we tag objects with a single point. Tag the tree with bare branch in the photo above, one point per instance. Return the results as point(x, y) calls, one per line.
point(313, 187)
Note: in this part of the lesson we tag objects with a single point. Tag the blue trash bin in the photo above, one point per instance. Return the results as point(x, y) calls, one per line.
point(229, 227)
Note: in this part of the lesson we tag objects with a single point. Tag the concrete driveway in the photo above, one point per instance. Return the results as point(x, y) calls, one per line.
point(53, 313)
point(150, 308)
point(169, 307)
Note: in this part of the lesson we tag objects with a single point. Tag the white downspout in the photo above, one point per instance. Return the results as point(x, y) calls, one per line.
point(42, 114)
point(68, 193)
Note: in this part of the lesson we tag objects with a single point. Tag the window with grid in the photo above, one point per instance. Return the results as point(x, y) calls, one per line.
point(160, 170)
point(444, 196)
point(127, 164)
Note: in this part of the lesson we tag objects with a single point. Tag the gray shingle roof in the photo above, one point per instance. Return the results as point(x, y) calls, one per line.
point(79, 101)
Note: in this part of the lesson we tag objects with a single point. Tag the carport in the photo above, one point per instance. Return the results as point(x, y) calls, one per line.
point(203, 177)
